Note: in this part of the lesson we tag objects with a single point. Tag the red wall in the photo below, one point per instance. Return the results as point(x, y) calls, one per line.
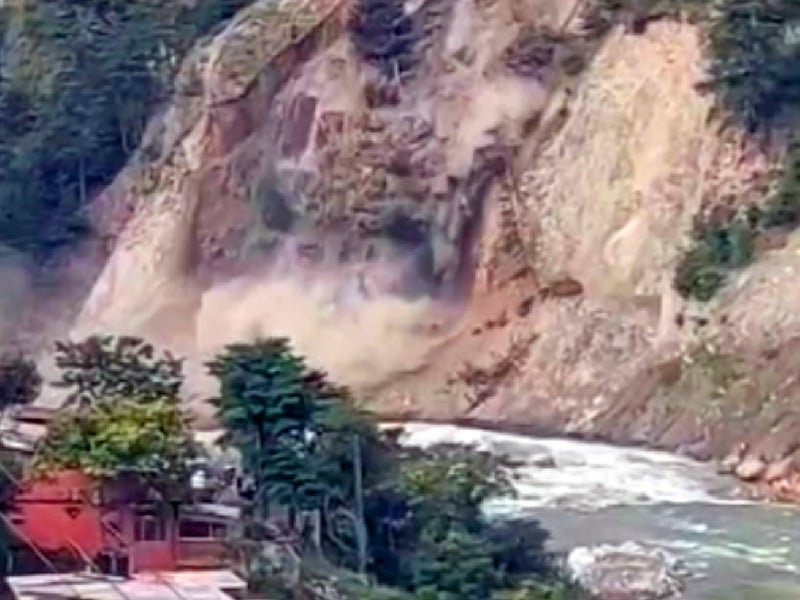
point(51, 513)
point(148, 555)
point(56, 512)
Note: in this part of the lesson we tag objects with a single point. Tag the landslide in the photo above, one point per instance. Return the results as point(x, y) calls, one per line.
point(466, 211)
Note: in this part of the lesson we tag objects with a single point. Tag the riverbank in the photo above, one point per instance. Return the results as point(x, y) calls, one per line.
point(755, 478)
point(595, 495)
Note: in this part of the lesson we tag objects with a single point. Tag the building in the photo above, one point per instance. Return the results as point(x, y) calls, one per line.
point(120, 531)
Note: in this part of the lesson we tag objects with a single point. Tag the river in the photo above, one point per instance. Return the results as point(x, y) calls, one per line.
point(597, 494)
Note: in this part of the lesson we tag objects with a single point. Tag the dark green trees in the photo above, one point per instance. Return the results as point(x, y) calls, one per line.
point(755, 49)
point(78, 82)
point(20, 381)
point(407, 519)
point(294, 429)
point(103, 368)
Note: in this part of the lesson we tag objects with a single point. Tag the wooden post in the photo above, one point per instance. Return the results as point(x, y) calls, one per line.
point(361, 530)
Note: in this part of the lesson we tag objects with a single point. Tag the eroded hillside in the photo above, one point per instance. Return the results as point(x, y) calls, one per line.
point(467, 210)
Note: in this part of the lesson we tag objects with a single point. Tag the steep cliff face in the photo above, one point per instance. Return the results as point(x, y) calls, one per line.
point(306, 164)
point(470, 209)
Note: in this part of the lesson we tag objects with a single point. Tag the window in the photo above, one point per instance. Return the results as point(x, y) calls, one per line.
point(190, 529)
point(149, 529)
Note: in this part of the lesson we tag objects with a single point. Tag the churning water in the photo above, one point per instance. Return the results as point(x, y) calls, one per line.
point(588, 494)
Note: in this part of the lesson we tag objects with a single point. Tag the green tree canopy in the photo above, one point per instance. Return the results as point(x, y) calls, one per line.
point(79, 79)
point(100, 368)
point(421, 521)
point(150, 440)
point(293, 428)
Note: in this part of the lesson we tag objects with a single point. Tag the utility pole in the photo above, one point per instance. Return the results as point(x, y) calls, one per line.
point(361, 529)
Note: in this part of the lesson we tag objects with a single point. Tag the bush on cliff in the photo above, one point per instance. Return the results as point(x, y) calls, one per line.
point(703, 269)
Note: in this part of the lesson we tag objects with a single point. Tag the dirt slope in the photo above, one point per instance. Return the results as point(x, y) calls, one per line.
point(491, 238)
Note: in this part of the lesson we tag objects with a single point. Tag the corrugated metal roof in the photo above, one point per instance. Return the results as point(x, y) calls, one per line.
point(73, 586)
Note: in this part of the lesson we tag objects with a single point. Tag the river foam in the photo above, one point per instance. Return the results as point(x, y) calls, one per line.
point(586, 475)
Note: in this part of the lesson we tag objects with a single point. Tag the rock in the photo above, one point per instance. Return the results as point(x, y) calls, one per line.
point(780, 469)
point(727, 466)
point(629, 571)
point(751, 468)
point(524, 307)
point(542, 460)
point(297, 125)
point(563, 288)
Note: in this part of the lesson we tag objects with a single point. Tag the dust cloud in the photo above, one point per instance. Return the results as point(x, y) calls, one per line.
point(359, 338)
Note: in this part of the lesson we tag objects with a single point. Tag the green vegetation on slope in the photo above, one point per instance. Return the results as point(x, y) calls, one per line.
point(721, 248)
point(753, 49)
point(78, 82)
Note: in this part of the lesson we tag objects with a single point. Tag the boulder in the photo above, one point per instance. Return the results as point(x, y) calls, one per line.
point(780, 469)
point(629, 571)
point(543, 460)
point(728, 465)
point(751, 468)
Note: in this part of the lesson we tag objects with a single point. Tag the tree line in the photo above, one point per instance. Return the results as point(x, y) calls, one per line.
point(79, 80)
point(390, 522)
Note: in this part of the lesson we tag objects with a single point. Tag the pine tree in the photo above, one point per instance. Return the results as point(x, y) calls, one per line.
point(755, 54)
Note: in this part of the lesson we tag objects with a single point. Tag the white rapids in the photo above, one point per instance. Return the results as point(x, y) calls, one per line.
point(590, 495)
point(586, 475)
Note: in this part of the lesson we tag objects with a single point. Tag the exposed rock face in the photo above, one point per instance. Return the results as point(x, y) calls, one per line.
point(453, 155)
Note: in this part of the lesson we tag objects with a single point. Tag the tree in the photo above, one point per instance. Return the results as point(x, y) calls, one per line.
point(150, 440)
point(102, 368)
point(421, 530)
point(293, 428)
point(302, 441)
point(754, 54)
point(20, 382)
point(79, 81)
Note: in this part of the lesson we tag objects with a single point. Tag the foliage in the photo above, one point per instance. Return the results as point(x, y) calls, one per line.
point(782, 209)
point(149, 439)
point(454, 566)
point(703, 269)
point(449, 485)
point(20, 382)
point(78, 82)
point(427, 536)
point(293, 428)
point(719, 249)
point(755, 50)
point(101, 368)
point(540, 590)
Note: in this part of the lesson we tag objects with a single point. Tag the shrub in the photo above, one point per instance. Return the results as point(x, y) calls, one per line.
point(20, 381)
point(100, 368)
point(703, 269)
point(782, 209)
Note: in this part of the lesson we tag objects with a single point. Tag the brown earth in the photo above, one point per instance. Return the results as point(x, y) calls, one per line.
point(491, 240)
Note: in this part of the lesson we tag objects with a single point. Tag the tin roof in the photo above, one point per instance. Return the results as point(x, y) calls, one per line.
point(86, 586)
